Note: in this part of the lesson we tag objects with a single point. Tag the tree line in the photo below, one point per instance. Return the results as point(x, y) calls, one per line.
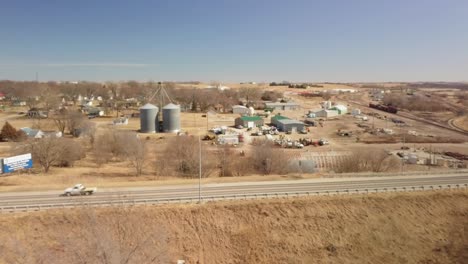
point(50, 95)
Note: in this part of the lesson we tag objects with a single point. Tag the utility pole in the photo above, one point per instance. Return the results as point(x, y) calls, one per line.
point(199, 168)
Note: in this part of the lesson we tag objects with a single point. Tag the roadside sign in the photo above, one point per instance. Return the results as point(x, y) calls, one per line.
point(17, 163)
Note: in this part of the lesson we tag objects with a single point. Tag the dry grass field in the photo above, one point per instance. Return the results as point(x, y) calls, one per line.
point(462, 122)
point(422, 227)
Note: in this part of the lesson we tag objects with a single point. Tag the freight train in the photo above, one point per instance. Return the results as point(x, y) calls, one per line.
point(386, 108)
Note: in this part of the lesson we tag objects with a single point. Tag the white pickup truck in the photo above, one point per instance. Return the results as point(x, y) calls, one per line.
point(79, 189)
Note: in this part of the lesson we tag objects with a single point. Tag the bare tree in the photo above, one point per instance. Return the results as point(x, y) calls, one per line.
point(60, 120)
point(367, 160)
point(69, 120)
point(181, 158)
point(225, 161)
point(134, 150)
point(124, 145)
point(268, 159)
point(49, 97)
point(75, 120)
point(52, 151)
point(250, 94)
point(106, 146)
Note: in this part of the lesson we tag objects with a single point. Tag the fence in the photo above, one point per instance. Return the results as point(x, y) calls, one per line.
point(29, 208)
point(394, 174)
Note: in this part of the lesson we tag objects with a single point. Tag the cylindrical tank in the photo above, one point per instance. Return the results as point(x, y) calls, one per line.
point(251, 111)
point(171, 118)
point(148, 118)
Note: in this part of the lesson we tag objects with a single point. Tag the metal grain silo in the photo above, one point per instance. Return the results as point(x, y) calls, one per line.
point(148, 118)
point(171, 118)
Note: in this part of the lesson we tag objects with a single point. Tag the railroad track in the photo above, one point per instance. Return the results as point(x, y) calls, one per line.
point(421, 120)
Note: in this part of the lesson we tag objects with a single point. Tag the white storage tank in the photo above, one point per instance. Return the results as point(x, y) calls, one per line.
point(251, 111)
point(171, 118)
point(148, 118)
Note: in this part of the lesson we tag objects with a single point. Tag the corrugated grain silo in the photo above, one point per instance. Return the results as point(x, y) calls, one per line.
point(148, 118)
point(171, 118)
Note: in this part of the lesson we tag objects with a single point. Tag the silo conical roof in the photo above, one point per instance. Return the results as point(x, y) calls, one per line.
point(171, 106)
point(149, 106)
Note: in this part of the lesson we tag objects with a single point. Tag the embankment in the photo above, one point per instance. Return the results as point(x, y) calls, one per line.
point(423, 227)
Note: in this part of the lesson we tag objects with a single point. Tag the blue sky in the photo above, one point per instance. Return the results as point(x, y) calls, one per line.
point(237, 40)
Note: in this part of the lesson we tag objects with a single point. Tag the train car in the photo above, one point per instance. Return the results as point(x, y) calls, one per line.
point(385, 108)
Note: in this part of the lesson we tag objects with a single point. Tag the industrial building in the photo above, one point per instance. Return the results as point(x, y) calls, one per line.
point(282, 106)
point(249, 121)
point(290, 125)
point(274, 119)
point(326, 113)
point(341, 109)
point(240, 109)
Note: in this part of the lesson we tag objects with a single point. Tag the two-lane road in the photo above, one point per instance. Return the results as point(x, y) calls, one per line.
point(23, 200)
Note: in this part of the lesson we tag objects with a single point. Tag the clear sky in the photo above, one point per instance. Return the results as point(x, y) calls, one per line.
point(234, 40)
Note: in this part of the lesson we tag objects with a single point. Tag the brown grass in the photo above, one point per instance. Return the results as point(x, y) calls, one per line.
point(462, 122)
point(423, 227)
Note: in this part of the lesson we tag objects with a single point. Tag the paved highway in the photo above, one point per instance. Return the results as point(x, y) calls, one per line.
point(26, 200)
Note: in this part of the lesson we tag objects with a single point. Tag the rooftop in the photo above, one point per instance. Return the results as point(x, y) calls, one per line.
point(282, 104)
point(238, 106)
point(250, 118)
point(289, 121)
point(279, 117)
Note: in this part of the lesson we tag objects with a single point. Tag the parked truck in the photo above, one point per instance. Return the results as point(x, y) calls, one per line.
point(79, 189)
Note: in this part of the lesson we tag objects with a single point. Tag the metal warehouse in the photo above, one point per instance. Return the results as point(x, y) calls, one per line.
point(286, 125)
point(249, 121)
point(341, 109)
point(282, 106)
point(276, 118)
point(240, 109)
point(326, 113)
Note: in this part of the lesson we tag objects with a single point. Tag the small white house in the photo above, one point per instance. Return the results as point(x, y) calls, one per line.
point(33, 133)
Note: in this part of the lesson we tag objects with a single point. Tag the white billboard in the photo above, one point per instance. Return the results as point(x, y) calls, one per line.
point(17, 162)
